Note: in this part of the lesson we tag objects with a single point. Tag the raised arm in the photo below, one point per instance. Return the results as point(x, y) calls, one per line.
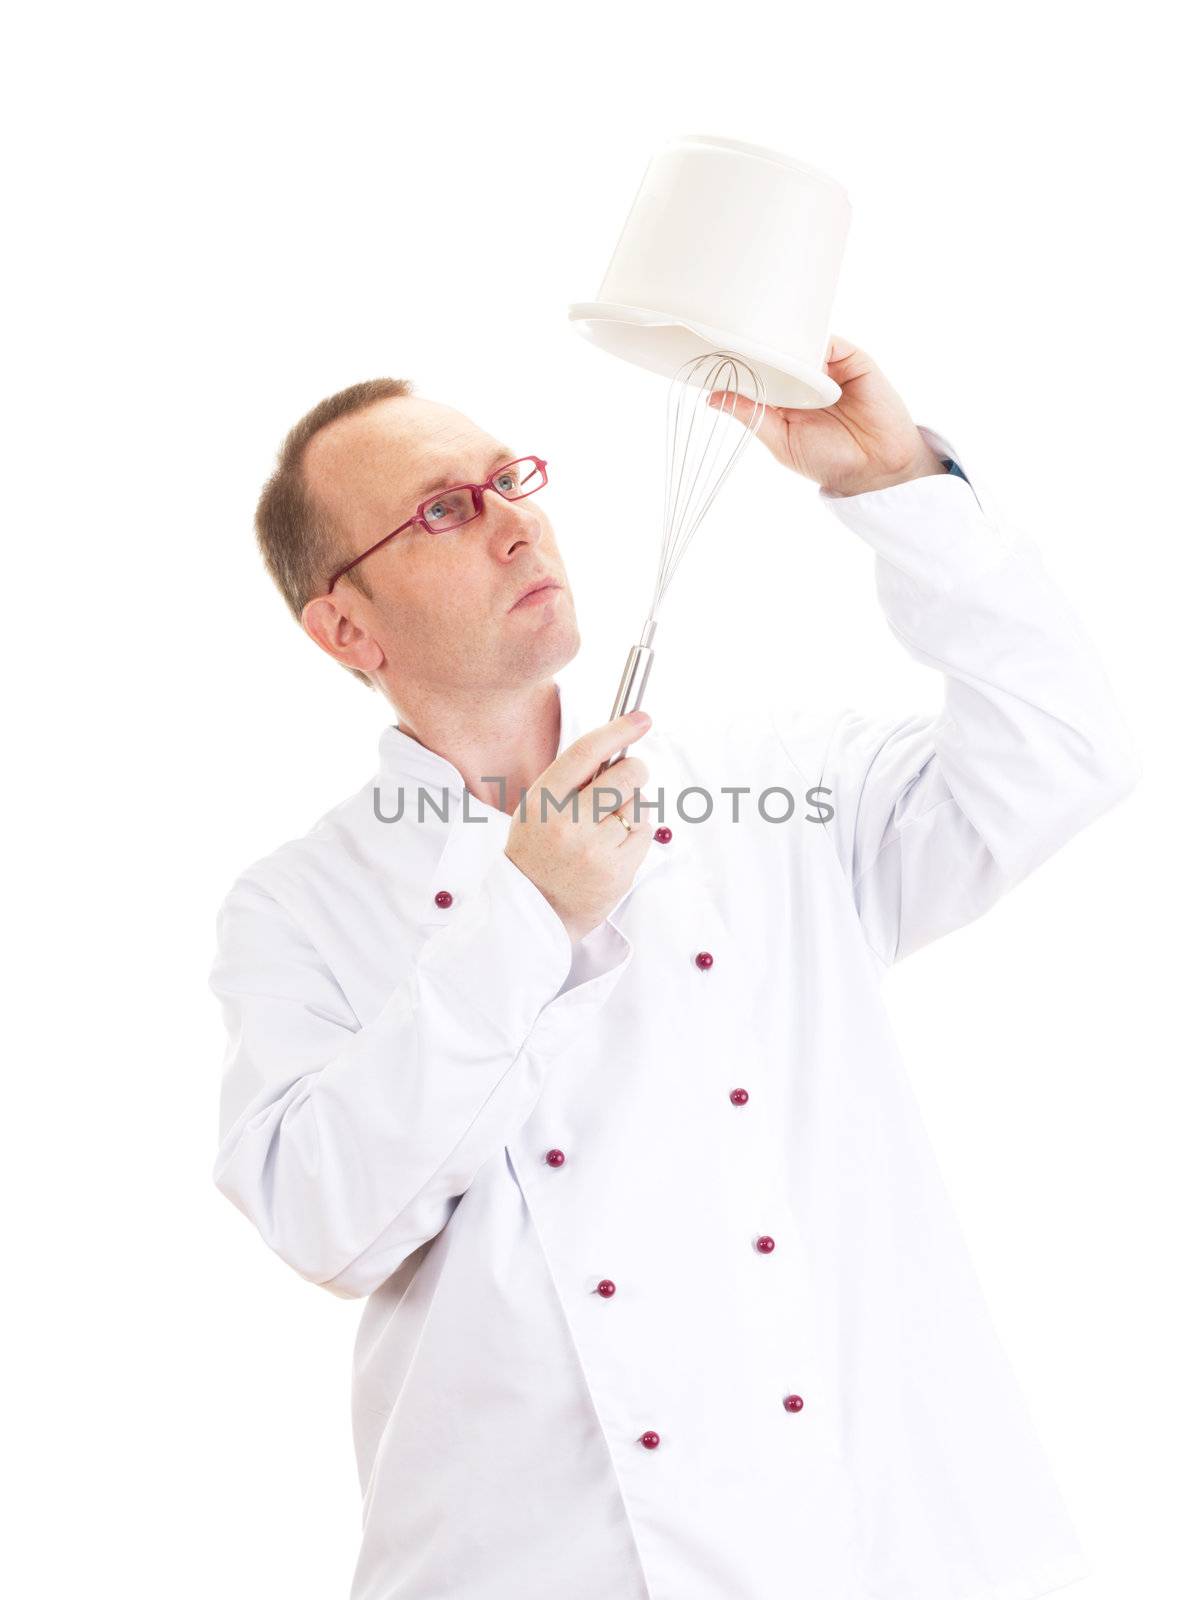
point(936, 816)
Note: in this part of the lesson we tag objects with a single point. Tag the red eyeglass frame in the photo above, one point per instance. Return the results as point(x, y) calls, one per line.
point(476, 500)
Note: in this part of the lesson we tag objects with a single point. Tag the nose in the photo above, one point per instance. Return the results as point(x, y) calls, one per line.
point(513, 524)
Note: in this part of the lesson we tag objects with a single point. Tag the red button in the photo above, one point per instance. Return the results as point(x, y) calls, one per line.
point(792, 1402)
point(739, 1096)
point(555, 1158)
point(704, 961)
point(650, 1439)
point(662, 835)
point(764, 1243)
point(606, 1287)
point(443, 898)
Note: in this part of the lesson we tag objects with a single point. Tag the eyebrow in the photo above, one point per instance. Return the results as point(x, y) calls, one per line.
point(446, 480)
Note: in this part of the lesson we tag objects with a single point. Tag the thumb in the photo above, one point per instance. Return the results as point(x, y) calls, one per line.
point(846, 361)
point(839, 349)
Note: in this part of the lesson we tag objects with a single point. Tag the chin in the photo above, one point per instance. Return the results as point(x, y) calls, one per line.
point(550, 650)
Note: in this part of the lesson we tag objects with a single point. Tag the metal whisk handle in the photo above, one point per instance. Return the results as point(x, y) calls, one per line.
point(633, 685)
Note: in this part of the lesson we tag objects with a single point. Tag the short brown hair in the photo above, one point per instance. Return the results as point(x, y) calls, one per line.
point(298, 543)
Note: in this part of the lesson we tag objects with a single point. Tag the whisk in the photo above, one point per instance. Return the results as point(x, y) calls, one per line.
point(704, 442)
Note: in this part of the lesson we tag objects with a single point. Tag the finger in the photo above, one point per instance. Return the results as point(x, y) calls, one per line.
point(633, 813)
point(633, 838)
point(614, 789)
point(625, 774)
point(614, 826)
point(638, 839)
point(577, 764)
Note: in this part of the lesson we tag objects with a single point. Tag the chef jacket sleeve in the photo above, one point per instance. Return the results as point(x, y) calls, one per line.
point(349, 1144)
point(936, 816)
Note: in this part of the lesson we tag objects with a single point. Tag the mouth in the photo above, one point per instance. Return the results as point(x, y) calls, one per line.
point(536, 592)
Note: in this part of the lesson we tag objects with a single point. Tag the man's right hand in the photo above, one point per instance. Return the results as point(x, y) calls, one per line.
point(581, 858)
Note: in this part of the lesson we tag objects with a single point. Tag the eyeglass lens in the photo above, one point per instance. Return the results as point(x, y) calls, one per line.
point(456, 506)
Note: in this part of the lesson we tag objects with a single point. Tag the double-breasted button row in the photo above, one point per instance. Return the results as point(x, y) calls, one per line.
point(764, 1243)
point(650, 1440)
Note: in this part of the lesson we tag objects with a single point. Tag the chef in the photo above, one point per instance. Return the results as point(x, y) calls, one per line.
point(596, 1106)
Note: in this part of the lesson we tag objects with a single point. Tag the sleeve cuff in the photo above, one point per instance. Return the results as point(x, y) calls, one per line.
point(506, 960)
point(933, 532)
point(596, 955)
point(503, 958)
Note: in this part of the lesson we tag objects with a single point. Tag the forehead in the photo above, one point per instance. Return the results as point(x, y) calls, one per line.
point(380, 460)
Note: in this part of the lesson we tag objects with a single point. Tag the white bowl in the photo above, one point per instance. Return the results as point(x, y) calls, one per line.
point(728, 246)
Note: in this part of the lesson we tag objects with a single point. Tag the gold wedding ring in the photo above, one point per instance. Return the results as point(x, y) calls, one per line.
point(626, 825)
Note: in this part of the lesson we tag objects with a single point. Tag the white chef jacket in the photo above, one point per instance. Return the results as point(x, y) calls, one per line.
point(556, 1174)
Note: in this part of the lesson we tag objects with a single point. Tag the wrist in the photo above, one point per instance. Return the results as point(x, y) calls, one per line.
point(925, 464)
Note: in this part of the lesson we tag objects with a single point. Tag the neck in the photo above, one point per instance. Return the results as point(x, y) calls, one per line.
point(509, 737)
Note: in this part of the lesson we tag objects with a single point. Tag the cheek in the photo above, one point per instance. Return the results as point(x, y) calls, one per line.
point(437, 590)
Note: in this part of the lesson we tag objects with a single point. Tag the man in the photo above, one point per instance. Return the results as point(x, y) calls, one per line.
point(599, 1105)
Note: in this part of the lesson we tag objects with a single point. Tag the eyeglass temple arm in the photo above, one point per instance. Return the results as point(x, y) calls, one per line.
point(342, 571)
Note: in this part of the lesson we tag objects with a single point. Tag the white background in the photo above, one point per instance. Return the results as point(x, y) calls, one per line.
point(217, 215)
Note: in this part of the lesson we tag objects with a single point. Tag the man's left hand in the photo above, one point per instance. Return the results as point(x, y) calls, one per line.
point(865, 440)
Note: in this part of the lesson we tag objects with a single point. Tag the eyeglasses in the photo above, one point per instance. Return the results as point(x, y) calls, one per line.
point(452, 507)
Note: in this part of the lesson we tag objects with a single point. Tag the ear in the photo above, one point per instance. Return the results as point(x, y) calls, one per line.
point(340, 633)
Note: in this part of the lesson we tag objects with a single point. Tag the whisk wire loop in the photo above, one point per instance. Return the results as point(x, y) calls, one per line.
point(702, 450)
point(699, 459)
